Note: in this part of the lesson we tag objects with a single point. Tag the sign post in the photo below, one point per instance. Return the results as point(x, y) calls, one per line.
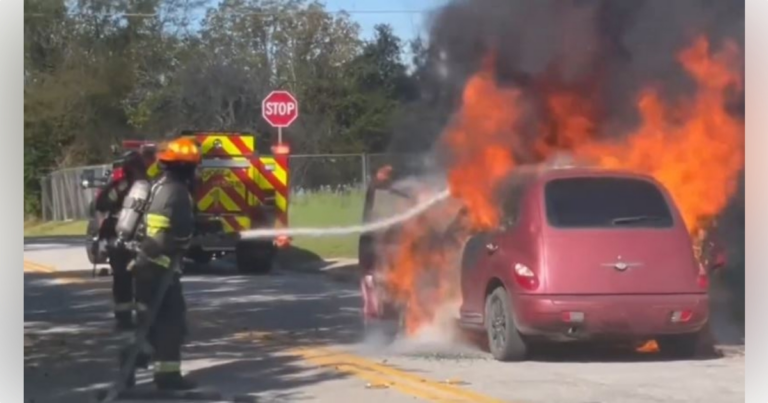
point(280, 109)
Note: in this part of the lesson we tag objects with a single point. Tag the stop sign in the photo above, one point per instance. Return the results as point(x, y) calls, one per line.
point(280, 108)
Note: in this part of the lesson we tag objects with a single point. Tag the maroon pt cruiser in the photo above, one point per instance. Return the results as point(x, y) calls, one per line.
point(584, 254)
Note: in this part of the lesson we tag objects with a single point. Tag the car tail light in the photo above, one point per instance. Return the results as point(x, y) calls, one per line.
point(681, 316)
point(703, 281)
point(525, 277)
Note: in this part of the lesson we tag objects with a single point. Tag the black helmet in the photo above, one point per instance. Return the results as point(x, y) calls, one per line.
point(133, 165)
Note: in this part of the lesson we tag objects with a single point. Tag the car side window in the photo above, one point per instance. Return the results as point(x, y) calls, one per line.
point(511, 205)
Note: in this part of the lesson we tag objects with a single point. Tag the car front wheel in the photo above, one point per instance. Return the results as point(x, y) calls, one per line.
point(504, 341)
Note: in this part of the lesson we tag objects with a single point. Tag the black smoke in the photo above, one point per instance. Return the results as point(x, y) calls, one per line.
point(607, 49)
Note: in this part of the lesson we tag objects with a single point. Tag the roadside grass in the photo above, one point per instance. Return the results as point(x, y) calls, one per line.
point(54, 228)
point(317, 209)
point(324, 210)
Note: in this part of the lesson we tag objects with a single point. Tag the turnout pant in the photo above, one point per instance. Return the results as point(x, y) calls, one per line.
point(167, 332)
point(122, 284)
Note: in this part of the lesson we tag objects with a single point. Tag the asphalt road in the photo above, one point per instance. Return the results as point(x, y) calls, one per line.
point(294, 337)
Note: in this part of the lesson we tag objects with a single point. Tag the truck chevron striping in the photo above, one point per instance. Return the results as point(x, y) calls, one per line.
point(222, 145)
point(273, 176)
point(237, 189)
point(281, 153)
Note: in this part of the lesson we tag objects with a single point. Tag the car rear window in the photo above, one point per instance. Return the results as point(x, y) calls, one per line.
point(605, 202)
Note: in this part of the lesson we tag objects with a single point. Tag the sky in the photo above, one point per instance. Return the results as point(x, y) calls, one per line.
point(407, 25)
point(408, 18)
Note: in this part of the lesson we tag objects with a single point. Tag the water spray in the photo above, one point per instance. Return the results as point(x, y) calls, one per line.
point(355, 229)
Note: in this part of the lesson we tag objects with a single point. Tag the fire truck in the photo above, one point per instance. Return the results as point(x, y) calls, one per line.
point(238, 187)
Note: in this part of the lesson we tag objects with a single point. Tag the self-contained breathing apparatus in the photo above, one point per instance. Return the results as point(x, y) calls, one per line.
point(130, 231)
point(130, 217)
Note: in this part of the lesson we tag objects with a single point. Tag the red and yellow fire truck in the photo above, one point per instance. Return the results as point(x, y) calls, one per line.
point(238, 188)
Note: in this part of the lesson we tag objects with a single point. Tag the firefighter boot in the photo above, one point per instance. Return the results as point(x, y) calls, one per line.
point(173, 381)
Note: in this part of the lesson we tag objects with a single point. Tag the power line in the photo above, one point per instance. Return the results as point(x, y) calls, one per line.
point(249, 13)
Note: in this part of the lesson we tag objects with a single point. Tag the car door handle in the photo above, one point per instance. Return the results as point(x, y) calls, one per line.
point(491, 247)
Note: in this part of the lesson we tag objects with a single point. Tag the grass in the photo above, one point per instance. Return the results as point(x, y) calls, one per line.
point(327, 210)
point(324, 209)
point(56, 228)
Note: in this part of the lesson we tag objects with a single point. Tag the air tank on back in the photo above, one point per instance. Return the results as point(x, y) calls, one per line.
point(134, 206)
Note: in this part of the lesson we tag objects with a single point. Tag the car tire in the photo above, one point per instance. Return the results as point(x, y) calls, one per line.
point(90, 232)
point(255, 257)
point(504, 341)
point(681, 346)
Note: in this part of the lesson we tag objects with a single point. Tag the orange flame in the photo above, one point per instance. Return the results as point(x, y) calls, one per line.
point(695, 148)
point(481, 146)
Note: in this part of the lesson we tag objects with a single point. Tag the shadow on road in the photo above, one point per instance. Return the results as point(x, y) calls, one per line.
point(295, 256)
point(242, 329)
point(53, 242)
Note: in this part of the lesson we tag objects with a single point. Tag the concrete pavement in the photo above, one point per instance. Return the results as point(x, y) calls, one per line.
point(295, 336)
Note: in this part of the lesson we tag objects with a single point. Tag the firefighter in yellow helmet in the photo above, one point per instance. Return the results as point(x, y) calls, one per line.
point(164, 238)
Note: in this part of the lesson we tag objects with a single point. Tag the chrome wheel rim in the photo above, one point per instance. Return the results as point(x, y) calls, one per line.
point(498, 323)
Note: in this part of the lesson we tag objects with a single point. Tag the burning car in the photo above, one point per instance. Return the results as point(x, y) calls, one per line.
point(383, 254)
point(584, 254)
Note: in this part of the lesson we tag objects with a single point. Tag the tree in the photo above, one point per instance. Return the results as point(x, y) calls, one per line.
point(378, 83)
point(94, 77)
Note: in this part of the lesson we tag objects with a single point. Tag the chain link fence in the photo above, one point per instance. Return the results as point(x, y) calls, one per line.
point(63, 196)
point(331, 182)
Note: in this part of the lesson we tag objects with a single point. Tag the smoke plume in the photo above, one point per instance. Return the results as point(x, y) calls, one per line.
point(605, 49)
point(650, 86)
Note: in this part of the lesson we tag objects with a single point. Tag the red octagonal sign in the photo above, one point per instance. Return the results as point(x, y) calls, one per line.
point(280, 108)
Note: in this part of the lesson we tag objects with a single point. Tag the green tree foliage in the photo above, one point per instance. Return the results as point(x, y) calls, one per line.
point(99, 71)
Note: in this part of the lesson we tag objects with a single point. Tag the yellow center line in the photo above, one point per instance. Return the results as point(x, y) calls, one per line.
point(376, 380)
point(451, 390)
point(33, 267)
point(378, 374)
point(61, 278)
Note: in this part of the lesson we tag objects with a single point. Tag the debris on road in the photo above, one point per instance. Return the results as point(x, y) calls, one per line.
point(378, 385)
point(455, 381)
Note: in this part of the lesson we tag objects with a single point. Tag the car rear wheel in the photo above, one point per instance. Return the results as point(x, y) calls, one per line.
point(255, 257)
point(504, 341)
point(91, 246)
point(681, 346)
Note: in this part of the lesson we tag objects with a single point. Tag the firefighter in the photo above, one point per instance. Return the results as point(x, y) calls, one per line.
point(165, 236)
point(109, 203)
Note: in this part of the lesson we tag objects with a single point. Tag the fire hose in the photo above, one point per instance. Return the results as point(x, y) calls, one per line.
point(127, 366)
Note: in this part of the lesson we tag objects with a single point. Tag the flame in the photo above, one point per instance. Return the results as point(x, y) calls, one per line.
point(693, 146)
point(419, 271)
point(481, 146)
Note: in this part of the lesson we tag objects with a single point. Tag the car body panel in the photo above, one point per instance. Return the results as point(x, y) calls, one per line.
point(607, 270)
